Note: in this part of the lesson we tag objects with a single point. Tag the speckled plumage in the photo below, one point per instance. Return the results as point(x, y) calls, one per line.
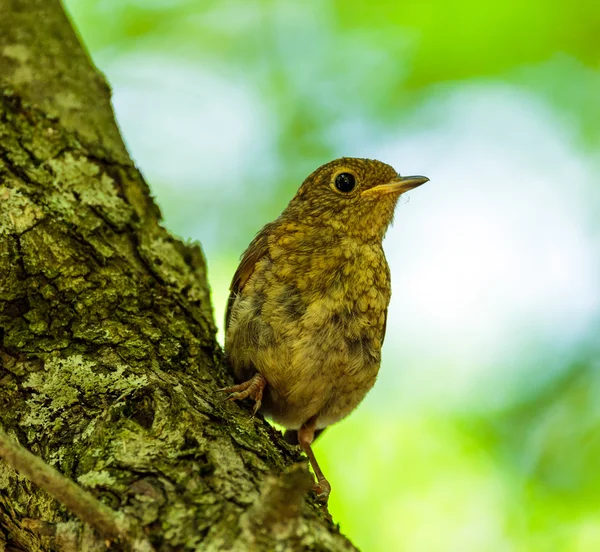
point(309, 301)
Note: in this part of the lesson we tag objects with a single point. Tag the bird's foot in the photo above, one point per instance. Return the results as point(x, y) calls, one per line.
point(252, 388)
point(322, 489)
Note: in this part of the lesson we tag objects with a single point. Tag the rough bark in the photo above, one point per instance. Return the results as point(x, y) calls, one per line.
point(109, 362)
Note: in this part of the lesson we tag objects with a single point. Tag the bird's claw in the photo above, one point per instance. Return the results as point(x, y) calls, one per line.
point(322, 489)
point(237, 397)
point(257, 404)
point(252, 388)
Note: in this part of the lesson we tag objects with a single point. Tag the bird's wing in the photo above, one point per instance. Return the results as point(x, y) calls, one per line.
point(256, 251)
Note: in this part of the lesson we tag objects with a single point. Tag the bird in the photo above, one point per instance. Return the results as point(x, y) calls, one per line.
point(307, 310)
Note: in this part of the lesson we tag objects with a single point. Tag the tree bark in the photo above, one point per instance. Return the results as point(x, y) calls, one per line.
point(108, 359)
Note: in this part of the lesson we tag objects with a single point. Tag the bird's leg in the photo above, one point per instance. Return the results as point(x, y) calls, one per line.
point(306, 435)
point(291, 435)
point(253, 388)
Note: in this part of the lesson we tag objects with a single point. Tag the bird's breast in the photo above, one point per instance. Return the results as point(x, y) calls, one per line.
point(313, 325)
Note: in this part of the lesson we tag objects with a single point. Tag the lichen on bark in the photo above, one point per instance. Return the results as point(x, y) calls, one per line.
point(109, 361)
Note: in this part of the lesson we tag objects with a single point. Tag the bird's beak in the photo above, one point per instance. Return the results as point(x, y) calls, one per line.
point(398, 185)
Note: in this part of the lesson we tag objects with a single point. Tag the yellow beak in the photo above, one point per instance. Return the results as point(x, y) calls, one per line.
point(398, 185)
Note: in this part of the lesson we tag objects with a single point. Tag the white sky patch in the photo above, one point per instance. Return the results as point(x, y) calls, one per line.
point(189, 128)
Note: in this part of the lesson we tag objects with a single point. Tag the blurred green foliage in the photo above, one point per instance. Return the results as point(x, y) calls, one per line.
point(522, 476)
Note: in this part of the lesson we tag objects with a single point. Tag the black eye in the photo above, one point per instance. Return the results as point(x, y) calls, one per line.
point(345, 182)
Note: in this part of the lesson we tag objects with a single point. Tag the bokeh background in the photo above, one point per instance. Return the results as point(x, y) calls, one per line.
point(483, 430)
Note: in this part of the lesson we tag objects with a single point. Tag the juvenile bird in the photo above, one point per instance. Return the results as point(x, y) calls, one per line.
point(307, 311)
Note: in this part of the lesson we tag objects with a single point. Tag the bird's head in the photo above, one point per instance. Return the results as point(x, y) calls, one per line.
point(354, 196)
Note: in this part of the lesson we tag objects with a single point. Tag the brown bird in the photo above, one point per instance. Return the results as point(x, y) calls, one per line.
point(307, 312)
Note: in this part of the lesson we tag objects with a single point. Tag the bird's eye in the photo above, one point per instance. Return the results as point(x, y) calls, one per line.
point(345, 182)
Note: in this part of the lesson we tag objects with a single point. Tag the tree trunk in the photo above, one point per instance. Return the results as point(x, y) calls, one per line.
point(109, 362)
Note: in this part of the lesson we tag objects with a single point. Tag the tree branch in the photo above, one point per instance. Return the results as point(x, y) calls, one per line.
point(91, 511)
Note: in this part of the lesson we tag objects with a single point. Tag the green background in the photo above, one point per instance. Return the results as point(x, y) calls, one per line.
point(482, 432)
